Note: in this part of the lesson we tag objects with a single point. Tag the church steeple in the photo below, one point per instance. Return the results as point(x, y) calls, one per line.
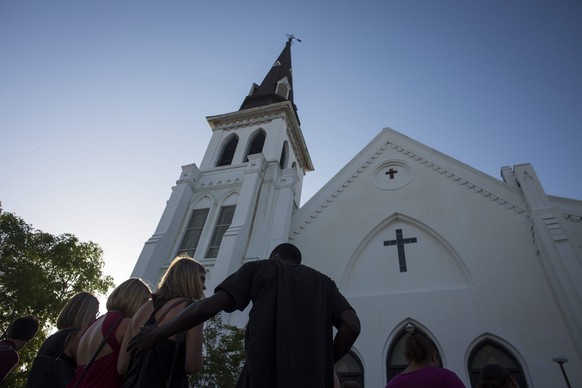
point(277, 85)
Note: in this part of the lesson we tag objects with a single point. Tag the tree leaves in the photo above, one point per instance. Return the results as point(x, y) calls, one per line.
point(39, 272)
point(223, 355)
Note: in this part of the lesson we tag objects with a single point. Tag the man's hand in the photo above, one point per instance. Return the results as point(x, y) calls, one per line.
point(146, 339)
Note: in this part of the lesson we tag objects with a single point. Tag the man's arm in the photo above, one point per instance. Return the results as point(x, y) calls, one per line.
point(347, 333)
point(188, 318)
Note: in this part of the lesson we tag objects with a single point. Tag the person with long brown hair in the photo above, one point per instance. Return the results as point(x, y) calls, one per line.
point(170, 361)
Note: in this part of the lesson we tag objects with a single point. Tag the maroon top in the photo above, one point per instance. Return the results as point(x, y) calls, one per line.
point(8, 358)
point(103, 371)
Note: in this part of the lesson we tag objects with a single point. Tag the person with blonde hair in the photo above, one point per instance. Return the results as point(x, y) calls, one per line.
point(424, 370)
point(169, 362)
point(99, 345)
point(78, 313)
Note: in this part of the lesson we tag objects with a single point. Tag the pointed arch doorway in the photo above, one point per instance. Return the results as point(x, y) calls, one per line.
point(395, 360)
point(350, 371)
point(488, 351)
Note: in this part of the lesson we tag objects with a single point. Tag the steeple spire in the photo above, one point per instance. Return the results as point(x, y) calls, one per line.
point(278, 83)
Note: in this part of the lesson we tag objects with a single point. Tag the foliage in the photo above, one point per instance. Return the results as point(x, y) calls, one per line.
point(39, 272)
point(223, 355)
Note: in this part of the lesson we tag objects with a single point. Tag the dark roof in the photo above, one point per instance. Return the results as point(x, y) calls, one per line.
point(264, 94)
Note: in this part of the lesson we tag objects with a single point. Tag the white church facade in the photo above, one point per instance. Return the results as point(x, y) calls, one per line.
point(490, 270)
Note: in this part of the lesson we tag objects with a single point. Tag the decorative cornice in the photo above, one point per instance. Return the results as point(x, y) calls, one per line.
point(247, 122)
point(468, 185)
point(219, 184)
point(455, 178)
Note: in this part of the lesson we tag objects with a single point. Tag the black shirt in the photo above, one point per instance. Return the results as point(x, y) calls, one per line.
point(289, 335)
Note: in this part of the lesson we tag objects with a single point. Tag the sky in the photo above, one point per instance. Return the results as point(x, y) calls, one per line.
point(102, 102)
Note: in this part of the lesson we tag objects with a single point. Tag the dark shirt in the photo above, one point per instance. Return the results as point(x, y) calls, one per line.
point(8, 358)
point(153, 367)
point(289, 341)
point(54, 346)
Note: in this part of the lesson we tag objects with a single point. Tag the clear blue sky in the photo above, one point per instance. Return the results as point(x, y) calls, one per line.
point(102, 102)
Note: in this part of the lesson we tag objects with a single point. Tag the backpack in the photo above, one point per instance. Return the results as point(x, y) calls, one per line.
point(132, 378)
point(50, 371)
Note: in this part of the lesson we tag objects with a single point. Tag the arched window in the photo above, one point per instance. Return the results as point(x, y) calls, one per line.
point(491, 352)
point(396, 362)
point(350, 371)
point(283, 159)
point(193, 232)
point(222, 224)
point(257, 144)
point(228, 152)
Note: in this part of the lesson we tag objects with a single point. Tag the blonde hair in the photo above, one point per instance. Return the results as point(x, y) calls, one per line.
point(79, 311)
point(181, 280)
point(129, 296)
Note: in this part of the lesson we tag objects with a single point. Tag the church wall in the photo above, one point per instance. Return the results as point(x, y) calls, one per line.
point(474, 270)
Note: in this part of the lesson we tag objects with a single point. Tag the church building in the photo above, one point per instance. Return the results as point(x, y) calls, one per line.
point(489, 269)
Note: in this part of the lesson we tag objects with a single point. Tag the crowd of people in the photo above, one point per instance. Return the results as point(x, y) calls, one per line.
point(156, 339)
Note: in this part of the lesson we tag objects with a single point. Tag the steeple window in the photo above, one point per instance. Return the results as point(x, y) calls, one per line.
point(223, 223)
point(228, 152)
point(283, 88)
point(257, 144)
point(193, 232)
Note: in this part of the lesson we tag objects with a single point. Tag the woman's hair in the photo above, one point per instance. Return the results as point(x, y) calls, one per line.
point(494, 375)
point(129, 296)
point(79, 311)
point(419, 348)
point(181, 280)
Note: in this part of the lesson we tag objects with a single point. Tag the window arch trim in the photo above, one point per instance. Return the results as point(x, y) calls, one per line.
point(228, 150)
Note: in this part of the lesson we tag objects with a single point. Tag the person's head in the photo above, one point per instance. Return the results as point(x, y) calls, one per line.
point(182, 279)
point(79, 312)
point(22, 330)
point(128, 297)
point(494, 375)
point(419, 348)
point(286, 252)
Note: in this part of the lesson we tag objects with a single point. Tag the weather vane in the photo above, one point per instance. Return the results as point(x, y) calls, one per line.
point(291, 37)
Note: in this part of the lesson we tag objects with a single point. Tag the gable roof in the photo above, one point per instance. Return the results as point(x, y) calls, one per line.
point(418, 155)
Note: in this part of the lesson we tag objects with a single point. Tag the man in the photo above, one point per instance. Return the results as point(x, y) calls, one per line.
point(19, 332)
point(289, 339)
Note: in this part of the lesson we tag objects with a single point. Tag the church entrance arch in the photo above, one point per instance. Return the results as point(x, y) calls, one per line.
point(491, 352)
point(395, 360)
point(350, 371)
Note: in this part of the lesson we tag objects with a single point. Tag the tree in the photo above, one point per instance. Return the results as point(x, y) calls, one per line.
point(39, 272)
point(223, 355)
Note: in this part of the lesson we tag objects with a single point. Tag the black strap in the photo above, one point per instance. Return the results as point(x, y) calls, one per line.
point(66, 342)
point(176, 303)
point(88, 365)
point(180, 337)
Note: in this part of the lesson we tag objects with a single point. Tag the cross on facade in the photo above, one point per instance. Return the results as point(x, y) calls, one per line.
point(391, 172)
point(399, 242)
